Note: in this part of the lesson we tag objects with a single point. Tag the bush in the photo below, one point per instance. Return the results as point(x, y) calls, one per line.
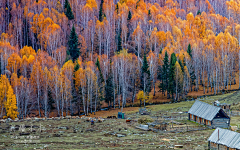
point(145, 120)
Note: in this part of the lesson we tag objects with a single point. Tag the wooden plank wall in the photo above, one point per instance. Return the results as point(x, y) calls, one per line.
point(199, 120)
point(220, 122)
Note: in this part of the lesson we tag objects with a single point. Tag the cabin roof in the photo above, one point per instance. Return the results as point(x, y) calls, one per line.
point(204, 110)
point(226, 137)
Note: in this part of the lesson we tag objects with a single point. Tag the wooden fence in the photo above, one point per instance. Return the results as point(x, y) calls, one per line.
point(233, 113)
point(173, 117)
point(181, 129)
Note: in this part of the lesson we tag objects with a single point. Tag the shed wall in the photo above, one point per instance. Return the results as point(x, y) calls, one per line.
point(223, 147)
point(220, 122)
point(199, 120)
point(213, 146)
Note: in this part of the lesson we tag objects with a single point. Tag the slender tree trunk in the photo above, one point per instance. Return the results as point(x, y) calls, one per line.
point(96, 102)
point(176, 97)
point(2, 111)
point(83, 97)
point(154, 84)
point(144, 89)
point(231, 80)
point(119, 96)
point(62, 99)
point(203, 81)
point(239, 68)
point(38, 99)
point(114, 96)
point(45, 102)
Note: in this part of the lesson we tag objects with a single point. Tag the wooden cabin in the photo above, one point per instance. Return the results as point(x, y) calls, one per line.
point(223, 139)
point(224, 106)
point(209, 115)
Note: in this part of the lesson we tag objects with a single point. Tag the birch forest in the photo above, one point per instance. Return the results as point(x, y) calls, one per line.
point(72, 57)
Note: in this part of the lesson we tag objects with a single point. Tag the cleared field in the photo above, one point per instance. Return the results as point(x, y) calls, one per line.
point(68, 134)
point(112, 133)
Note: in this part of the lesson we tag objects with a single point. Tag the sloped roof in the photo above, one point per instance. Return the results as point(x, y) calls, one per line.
point(226, 137)
point(204, 110)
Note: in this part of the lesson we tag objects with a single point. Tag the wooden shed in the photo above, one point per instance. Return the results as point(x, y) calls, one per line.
point(209, 115)
point(224, 106)
point(223, 139)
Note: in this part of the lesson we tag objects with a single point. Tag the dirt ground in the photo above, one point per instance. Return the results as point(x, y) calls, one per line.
point(113, 133)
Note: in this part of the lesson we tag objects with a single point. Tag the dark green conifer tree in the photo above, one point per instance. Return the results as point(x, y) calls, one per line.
point(149, 15)
point(26, 38)
point(160, 52)
point(164, 74)
point(192, 73)
point(117, 8)
point(77, 97)
point(100, 71)
point(119, 45)
point(181, 65)
point(129, 24)
point(50, 99)
point(65, 4)
point(193, 77)
point(101, 11)
point(129, 16)
point(145, 85)
point(189, 50)
point(184, 61)
point(160, 78)
point(100, 81)
point(73, 49)
point(68, 10)
point(76, 67)
point(137, 4)
point(109, 88)
point(171, 85)
point(199, 12)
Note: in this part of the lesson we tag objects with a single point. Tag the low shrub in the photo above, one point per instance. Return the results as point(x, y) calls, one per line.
point(145, 120)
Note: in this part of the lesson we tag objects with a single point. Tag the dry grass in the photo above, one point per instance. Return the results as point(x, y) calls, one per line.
point(100, 136)
point(81, 135)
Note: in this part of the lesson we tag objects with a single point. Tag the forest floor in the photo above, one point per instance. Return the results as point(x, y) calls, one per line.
point(229, 98)
point(160, 98)
point(115, 133)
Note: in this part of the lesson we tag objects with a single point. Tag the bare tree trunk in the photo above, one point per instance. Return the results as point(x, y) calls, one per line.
point(134, 92)
point(239, 67)
point(154, 84)
point(119, 96)
point(45, 103)
point(38, 100)
point(83, 97)
point(114, 96)
point(144, 89)
point(62, 99)
point(96, 101)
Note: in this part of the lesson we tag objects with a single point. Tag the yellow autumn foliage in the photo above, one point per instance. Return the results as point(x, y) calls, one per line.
point(11, 104)
point(141, 97)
